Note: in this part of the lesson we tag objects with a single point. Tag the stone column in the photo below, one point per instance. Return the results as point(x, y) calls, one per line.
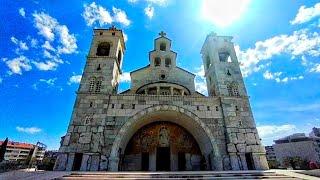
point(182, 92)
point(70, 162)
point(158, 90)
point(171, 90)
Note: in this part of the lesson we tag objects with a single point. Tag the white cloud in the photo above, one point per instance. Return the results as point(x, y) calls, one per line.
point(22, 45)
point(50, 82)
point(94, 12)
point(18, 64)
point(125, 77)
point(269, 75)
point(48, 46)
point(306, 14)
point(75, 79)
point(158, 2)
point(315, 68)
point(29, 130)
point(22, 12)
point(301, 42)
point(120, 16)
point(149, 11)
point(199, 81)
point(34, 43)
point(49, 27)
point(276, 76)
point(268, 133)
point(46, 66)
point(45, 24)
point(68, 41)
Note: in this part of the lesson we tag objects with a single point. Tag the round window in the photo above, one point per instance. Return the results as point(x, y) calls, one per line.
point(162, 76)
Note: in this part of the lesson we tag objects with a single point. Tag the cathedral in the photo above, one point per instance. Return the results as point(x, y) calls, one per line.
point(161, 123)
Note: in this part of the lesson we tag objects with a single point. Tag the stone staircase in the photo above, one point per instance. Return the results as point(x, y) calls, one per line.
point(179, 175)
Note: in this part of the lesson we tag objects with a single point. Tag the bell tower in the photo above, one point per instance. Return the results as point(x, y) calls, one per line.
point(224, 81)
point(104, 61)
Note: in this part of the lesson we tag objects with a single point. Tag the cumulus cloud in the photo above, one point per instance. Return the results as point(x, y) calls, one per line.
point(120, 16)
point(315, 68)
point(125, 77)
point(21, 45)
point(277, 77)
point(49, 28)
point(18, 64)
point(46, 66)
point(306, 14)
point(22, 12)
point(301, 42)
point(75, 79)
point(149, 11)
point(29, 130)
point(268, 133)
point(48, 46)
point(94, 13)
point(157, 2)
point(125, 37)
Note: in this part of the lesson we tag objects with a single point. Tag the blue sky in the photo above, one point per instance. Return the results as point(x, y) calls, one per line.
point(43, 47)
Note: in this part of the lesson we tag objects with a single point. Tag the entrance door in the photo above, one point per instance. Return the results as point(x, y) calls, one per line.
point(250, 162)
point(77, 161)
point(163, 159)
point(145, 161)
point(181, 161)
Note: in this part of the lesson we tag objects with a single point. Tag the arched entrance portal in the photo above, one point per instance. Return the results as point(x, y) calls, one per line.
point(170, 113)
point(162, 146)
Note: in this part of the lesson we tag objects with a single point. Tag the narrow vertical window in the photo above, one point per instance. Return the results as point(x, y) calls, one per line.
point(157, 61)
point(103, 49)
point(168, 62)
point(98, 85)
point(91, 84)
point(119, 57)
point(133, 106)
point(162, 47)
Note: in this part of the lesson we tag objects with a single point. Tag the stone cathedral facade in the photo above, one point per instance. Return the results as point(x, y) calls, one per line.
point(161, 123)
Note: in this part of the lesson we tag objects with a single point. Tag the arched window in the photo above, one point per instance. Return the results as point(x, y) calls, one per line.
point(103, 49)
point(119, 56)
point(92, 83)
point(168, 62)
point(162, 47)
point(98, 85)
point(157, 61)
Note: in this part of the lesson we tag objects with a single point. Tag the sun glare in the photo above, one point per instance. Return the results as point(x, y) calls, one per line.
point(223, 13)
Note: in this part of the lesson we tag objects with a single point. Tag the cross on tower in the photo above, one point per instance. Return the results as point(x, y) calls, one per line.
point(162, 34)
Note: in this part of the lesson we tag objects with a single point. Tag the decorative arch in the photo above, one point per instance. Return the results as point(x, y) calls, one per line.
point(170, 113)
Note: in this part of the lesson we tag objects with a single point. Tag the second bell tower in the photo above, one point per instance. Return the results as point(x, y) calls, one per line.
point(104, 61)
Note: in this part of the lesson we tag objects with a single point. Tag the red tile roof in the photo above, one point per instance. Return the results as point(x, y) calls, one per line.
point(12, 144)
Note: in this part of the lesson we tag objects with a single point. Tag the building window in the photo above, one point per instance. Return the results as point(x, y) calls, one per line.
point(133, 106)
point(229, 88)
point(162, 47)
point(168, 62)
point(198, 108)
point(112, 106)
point(119, 57)
point(91, 84)
point(217, 108)
point(122, 106)
point(103, 49)
point(88, 119)
point(113, 34)
point(224, 56)
point(101, 33)
point(91, 104)
point(208, 62)
point(157, 61)
point(99, 67)
point(237, 109)
point(98, 85)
